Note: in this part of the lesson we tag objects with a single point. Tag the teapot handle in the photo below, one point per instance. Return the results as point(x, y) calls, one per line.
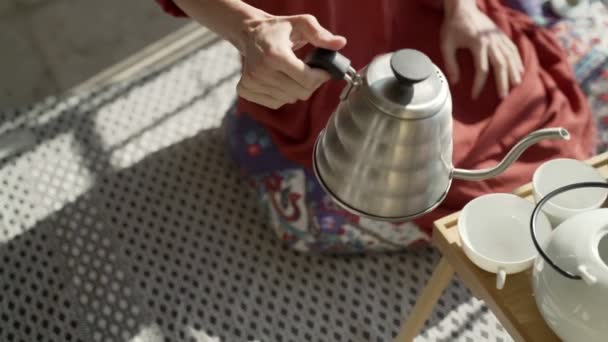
point(535, 215)
point(331, 61)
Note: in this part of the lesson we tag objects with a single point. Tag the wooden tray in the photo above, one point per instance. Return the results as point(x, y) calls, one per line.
point(514, 305)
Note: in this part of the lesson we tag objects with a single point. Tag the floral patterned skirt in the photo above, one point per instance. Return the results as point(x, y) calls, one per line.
point(299, 211)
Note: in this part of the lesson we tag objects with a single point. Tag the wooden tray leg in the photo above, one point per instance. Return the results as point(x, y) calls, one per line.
point(439, 280)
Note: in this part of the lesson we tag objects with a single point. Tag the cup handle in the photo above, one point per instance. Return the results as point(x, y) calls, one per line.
point(501, 277)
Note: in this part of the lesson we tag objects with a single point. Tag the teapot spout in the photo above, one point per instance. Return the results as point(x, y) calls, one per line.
point(516, 151)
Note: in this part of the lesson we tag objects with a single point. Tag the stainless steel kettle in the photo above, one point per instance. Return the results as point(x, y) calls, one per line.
point(386, 151)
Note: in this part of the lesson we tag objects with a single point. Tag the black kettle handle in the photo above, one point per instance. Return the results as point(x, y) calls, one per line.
point(331, 61)
point(537, 210)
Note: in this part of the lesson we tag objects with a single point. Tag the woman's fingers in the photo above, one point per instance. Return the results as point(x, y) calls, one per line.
point(268, 77)
point(254, 84)
point(298, 71)
point(501, 68)
point(284, 70)
point(308, 26)
point(448, 51)
point(513, 64)
point(513, 51)
point(480, 54)
point(279, 80)
point(259, 97)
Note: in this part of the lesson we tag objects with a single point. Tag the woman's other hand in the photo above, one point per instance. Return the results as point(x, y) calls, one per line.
point(465, 26)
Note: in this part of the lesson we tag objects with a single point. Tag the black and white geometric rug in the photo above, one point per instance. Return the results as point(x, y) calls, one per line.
point(122, 219)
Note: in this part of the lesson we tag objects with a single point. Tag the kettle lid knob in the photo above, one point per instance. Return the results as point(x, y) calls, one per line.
point(411, 66)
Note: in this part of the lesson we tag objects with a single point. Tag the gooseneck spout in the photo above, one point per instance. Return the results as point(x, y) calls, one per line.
point(516, 151)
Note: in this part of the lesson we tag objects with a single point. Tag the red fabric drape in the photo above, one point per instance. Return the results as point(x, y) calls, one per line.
point(484, 129)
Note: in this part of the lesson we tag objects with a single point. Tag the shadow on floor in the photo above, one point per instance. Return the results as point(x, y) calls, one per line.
point(174, 248)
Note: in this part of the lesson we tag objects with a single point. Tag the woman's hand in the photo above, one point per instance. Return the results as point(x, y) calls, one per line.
point(272, 74)
point(465, 26)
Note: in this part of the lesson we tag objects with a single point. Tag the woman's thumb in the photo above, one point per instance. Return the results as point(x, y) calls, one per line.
point(315, 34)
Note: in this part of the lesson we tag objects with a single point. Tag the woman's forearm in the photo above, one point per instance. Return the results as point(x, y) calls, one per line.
point(227, 18)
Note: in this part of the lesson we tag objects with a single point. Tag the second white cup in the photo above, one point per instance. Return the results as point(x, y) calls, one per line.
point(557, 173)
point(495, 234)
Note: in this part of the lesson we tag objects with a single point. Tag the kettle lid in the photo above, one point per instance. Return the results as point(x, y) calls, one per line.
point(411, 66)
point(406, 84)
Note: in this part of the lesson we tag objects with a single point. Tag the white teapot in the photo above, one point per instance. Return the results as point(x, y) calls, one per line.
point(573, 297)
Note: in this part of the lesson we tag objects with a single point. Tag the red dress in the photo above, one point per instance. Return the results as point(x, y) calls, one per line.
point(484, 129)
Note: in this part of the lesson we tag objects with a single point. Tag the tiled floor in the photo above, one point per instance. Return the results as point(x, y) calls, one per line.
point(47, 47)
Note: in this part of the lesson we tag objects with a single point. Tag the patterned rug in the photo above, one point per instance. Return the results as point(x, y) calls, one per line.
point(585, 40)
point(124, 220)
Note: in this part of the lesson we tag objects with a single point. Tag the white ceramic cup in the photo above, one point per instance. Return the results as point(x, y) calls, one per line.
point(557, 173)
point(495, 234)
